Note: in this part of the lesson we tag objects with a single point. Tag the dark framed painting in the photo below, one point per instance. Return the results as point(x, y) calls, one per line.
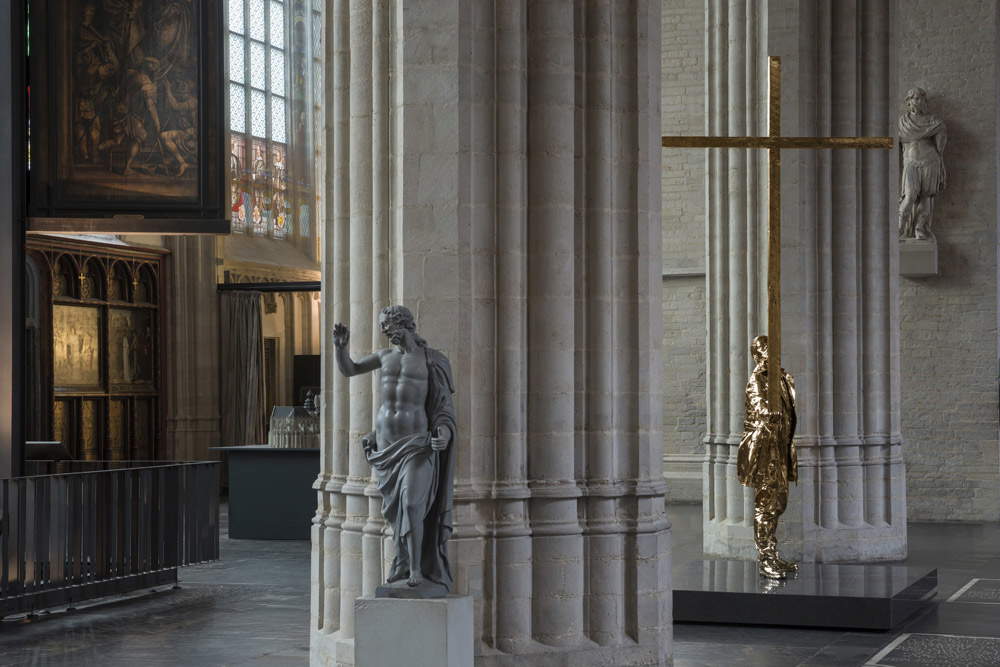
point(127, 116)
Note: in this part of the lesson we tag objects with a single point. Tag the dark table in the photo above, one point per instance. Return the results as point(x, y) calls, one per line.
point(270, 492)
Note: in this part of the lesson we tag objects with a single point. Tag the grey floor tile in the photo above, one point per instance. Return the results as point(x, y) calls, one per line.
point(935, 650)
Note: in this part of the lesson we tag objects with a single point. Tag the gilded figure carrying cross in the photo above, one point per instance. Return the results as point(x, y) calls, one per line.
point(767, 460)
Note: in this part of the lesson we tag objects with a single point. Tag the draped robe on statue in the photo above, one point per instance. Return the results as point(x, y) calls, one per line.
point(393, 465)
point(925, 173)
point(766, 453)
point(767, 462)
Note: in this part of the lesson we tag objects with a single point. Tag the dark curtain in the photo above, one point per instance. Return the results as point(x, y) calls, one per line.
point(242, 369)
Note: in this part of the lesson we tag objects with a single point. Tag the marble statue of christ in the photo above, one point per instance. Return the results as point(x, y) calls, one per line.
point(410, 451)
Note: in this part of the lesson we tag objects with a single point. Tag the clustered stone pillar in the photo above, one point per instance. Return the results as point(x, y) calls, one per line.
point(193, 423)
point(504, 184)
point(839, 293)
point(736, 260)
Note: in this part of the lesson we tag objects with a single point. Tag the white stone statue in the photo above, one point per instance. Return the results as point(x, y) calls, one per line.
point(922, 137)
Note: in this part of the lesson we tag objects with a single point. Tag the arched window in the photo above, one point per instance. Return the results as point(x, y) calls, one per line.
point(271, 63)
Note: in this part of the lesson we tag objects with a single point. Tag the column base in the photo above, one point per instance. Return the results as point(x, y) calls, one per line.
point(392, 632)
point(843, 544)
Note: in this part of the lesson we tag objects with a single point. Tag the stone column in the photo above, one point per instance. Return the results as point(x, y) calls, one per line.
point(191, 335)
point(514, 159)
point(736, 257)
point(839, 289)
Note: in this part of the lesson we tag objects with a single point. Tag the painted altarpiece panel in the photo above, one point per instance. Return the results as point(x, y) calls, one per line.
point(76, 346)
point(127, 116)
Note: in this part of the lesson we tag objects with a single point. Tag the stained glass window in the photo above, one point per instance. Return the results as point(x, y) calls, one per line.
point(274, 46)
point(238, 174)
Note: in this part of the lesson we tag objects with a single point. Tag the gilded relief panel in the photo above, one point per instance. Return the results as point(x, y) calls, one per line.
point(59, 410)
point(76, 344)
point(131, 347)
point(89, 431)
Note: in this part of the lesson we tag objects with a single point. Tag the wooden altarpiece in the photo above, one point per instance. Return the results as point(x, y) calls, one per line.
point(99, 355)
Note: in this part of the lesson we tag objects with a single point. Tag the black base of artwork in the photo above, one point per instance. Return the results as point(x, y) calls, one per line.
point(823, 595)
point(427, 590)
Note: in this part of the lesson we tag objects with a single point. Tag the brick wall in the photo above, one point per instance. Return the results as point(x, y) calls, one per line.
point(683, 189)
point(948, 337)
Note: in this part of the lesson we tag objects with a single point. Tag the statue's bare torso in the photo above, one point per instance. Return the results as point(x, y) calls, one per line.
point(402, 395)
point(921, 151)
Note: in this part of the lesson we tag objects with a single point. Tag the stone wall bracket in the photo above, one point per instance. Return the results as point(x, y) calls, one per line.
point(918, 258)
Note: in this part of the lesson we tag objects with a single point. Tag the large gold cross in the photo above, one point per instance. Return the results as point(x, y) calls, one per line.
point(774, 142)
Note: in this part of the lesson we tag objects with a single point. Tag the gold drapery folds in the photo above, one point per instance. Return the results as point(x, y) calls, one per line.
point(767, 461)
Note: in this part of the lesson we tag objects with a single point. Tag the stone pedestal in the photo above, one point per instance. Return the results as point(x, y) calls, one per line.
point(918, 258)
point(415, 633)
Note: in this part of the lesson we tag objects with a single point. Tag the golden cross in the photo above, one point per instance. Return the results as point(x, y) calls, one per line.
point(774, 142)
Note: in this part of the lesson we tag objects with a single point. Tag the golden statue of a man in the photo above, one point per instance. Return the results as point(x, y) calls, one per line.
point(767, 460)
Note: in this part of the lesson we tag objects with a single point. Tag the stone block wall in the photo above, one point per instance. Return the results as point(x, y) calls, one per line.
point(948, 337)
point(683, 190)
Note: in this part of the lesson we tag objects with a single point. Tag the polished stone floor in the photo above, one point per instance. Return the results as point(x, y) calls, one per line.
point(252, 608)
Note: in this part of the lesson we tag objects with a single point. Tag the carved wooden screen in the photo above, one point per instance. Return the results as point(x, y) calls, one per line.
point(101, 343)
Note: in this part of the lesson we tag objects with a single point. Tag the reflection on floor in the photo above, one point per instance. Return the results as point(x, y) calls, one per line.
point(252, 608)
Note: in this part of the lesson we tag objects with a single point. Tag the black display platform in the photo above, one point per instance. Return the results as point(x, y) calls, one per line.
point(872, 596)
point(270, 492)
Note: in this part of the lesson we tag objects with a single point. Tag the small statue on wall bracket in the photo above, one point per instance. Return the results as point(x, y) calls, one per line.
point(922, 138)
point(411, 451)
point(767, 460)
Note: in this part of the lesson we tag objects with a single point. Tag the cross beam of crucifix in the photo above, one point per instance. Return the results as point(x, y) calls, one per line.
point(774, 142)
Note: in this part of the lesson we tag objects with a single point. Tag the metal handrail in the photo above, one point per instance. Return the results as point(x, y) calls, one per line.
point(80, 534)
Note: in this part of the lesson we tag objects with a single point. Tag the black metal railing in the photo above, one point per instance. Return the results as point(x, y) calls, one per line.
point(78, 530)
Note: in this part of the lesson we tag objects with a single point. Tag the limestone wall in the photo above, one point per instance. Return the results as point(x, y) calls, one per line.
point(683, 190)
point(948, 335)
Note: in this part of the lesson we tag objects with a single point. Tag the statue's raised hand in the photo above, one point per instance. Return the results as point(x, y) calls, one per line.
point(341, 335)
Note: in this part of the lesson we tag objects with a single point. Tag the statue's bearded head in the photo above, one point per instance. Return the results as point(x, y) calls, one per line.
point(758, 349)
point(916, 100)
point(394, 321)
